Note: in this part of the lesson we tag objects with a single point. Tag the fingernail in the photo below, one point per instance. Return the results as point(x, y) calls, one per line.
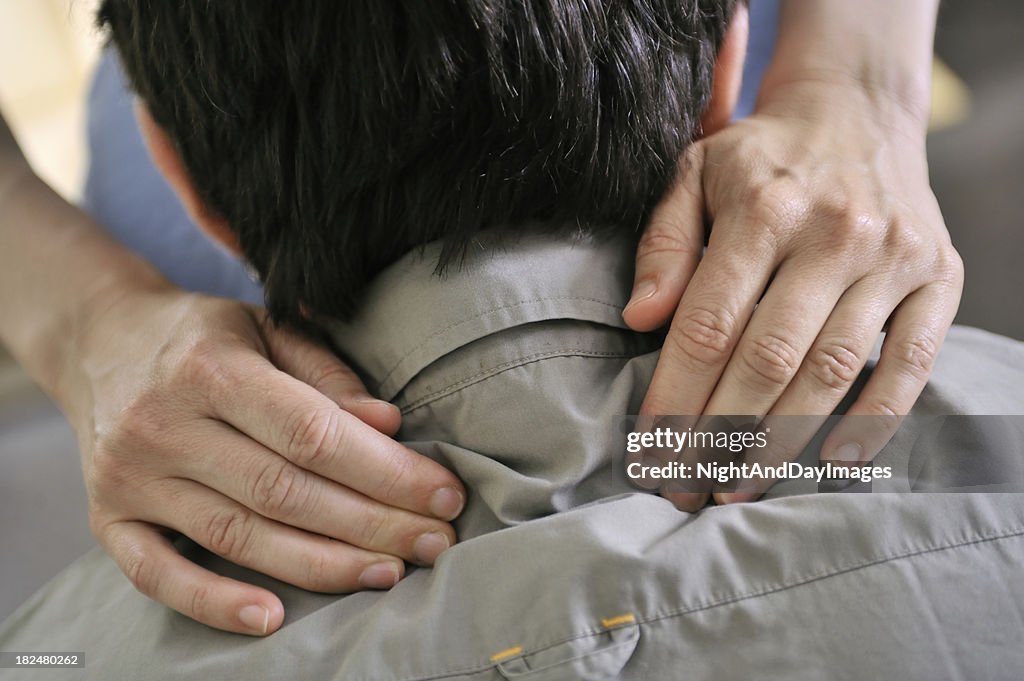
point(446, 503)
point(849, 453)
point(429, 546)
point(687, 501)
point(255, 617)
point(642, 291)
point(366, 398)
point(380, 576)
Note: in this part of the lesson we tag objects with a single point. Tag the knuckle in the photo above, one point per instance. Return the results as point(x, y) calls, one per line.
point(201, 366)
point(762, 198)
point(103, 524)
point(777, 207)
point(837, 206)
point(399, 468)
point(951, 266)
point(97, 523)
point(139, 425)
point(106, 467)
point(658, 240)
point(883, 407)
point(329, 373)
point(140, 570)
point(280, 490)
point(834, 365)
point(123, 453)
point(319, 571)
point(748, 147)
point(905, 237)
point(843, 211)
point(703, 336)
point(916, 354)
point(770, 361)
point(855, 230)
point(371, 526)
point(113, 474)
point(229, 533)
point(314, 435)
point(199, 602)
point(850, 225)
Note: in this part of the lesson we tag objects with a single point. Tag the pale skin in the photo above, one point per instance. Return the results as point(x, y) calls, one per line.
point(196, 414)
point(821, 214)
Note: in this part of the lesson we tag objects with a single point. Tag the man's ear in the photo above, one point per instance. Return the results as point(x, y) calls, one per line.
point(725, 90)
point(168, 161)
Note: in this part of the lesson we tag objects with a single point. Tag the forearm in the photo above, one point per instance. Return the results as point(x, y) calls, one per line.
point(880, 46)
point(56, 267)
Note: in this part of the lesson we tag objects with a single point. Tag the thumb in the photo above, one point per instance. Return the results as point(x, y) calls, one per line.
point(670, 247)
point(318, 367)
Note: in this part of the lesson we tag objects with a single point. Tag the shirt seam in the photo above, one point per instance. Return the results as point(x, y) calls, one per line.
point(1015, 532)
point(509, 306)
point(501, 368)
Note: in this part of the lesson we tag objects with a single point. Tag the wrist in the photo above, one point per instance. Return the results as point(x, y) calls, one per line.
point(872, 52)
point(902, 103)
point(102, 321)
point(836, 105)
point(58, 269)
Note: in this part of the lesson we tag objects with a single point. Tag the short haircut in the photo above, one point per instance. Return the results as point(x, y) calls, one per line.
point(336, 135)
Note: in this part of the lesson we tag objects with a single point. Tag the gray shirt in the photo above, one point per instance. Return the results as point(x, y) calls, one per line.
point(516, 371)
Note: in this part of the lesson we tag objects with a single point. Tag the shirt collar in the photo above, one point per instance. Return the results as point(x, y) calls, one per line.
point(412, 316)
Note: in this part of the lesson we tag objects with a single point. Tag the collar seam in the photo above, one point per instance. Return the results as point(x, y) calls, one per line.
point(510, 306)
point(499, 369)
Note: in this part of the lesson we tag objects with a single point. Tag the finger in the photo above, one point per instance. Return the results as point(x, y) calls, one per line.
point(687, 501)
point(703, 450)
point(655, 453)
point(228, 529)
point(916, 332)
point(278, 489)
point(318, 367)
point(786, 439)
point(670, 248)
point(776, 341)
point(711, 317)
point(156, 569)
point(825, 376)
point(297, 422)
point(689, 494)
point(838, 355)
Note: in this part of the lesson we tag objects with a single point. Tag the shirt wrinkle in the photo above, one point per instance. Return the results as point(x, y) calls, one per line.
point(411, 318)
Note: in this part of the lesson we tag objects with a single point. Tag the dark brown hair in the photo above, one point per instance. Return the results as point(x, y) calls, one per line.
point(334, 136)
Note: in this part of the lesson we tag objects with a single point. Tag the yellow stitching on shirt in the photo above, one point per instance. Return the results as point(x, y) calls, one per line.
point(610, 622)
point(507, 653)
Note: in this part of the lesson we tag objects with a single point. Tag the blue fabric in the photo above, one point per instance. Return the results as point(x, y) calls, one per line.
point(764, 27)
point(126, 194)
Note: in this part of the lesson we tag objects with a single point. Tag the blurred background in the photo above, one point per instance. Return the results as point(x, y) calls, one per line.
point(977, 164)
point(48, 50)
point(47, 53)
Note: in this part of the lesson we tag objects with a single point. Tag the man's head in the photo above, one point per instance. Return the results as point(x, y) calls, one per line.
point(324, 139)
